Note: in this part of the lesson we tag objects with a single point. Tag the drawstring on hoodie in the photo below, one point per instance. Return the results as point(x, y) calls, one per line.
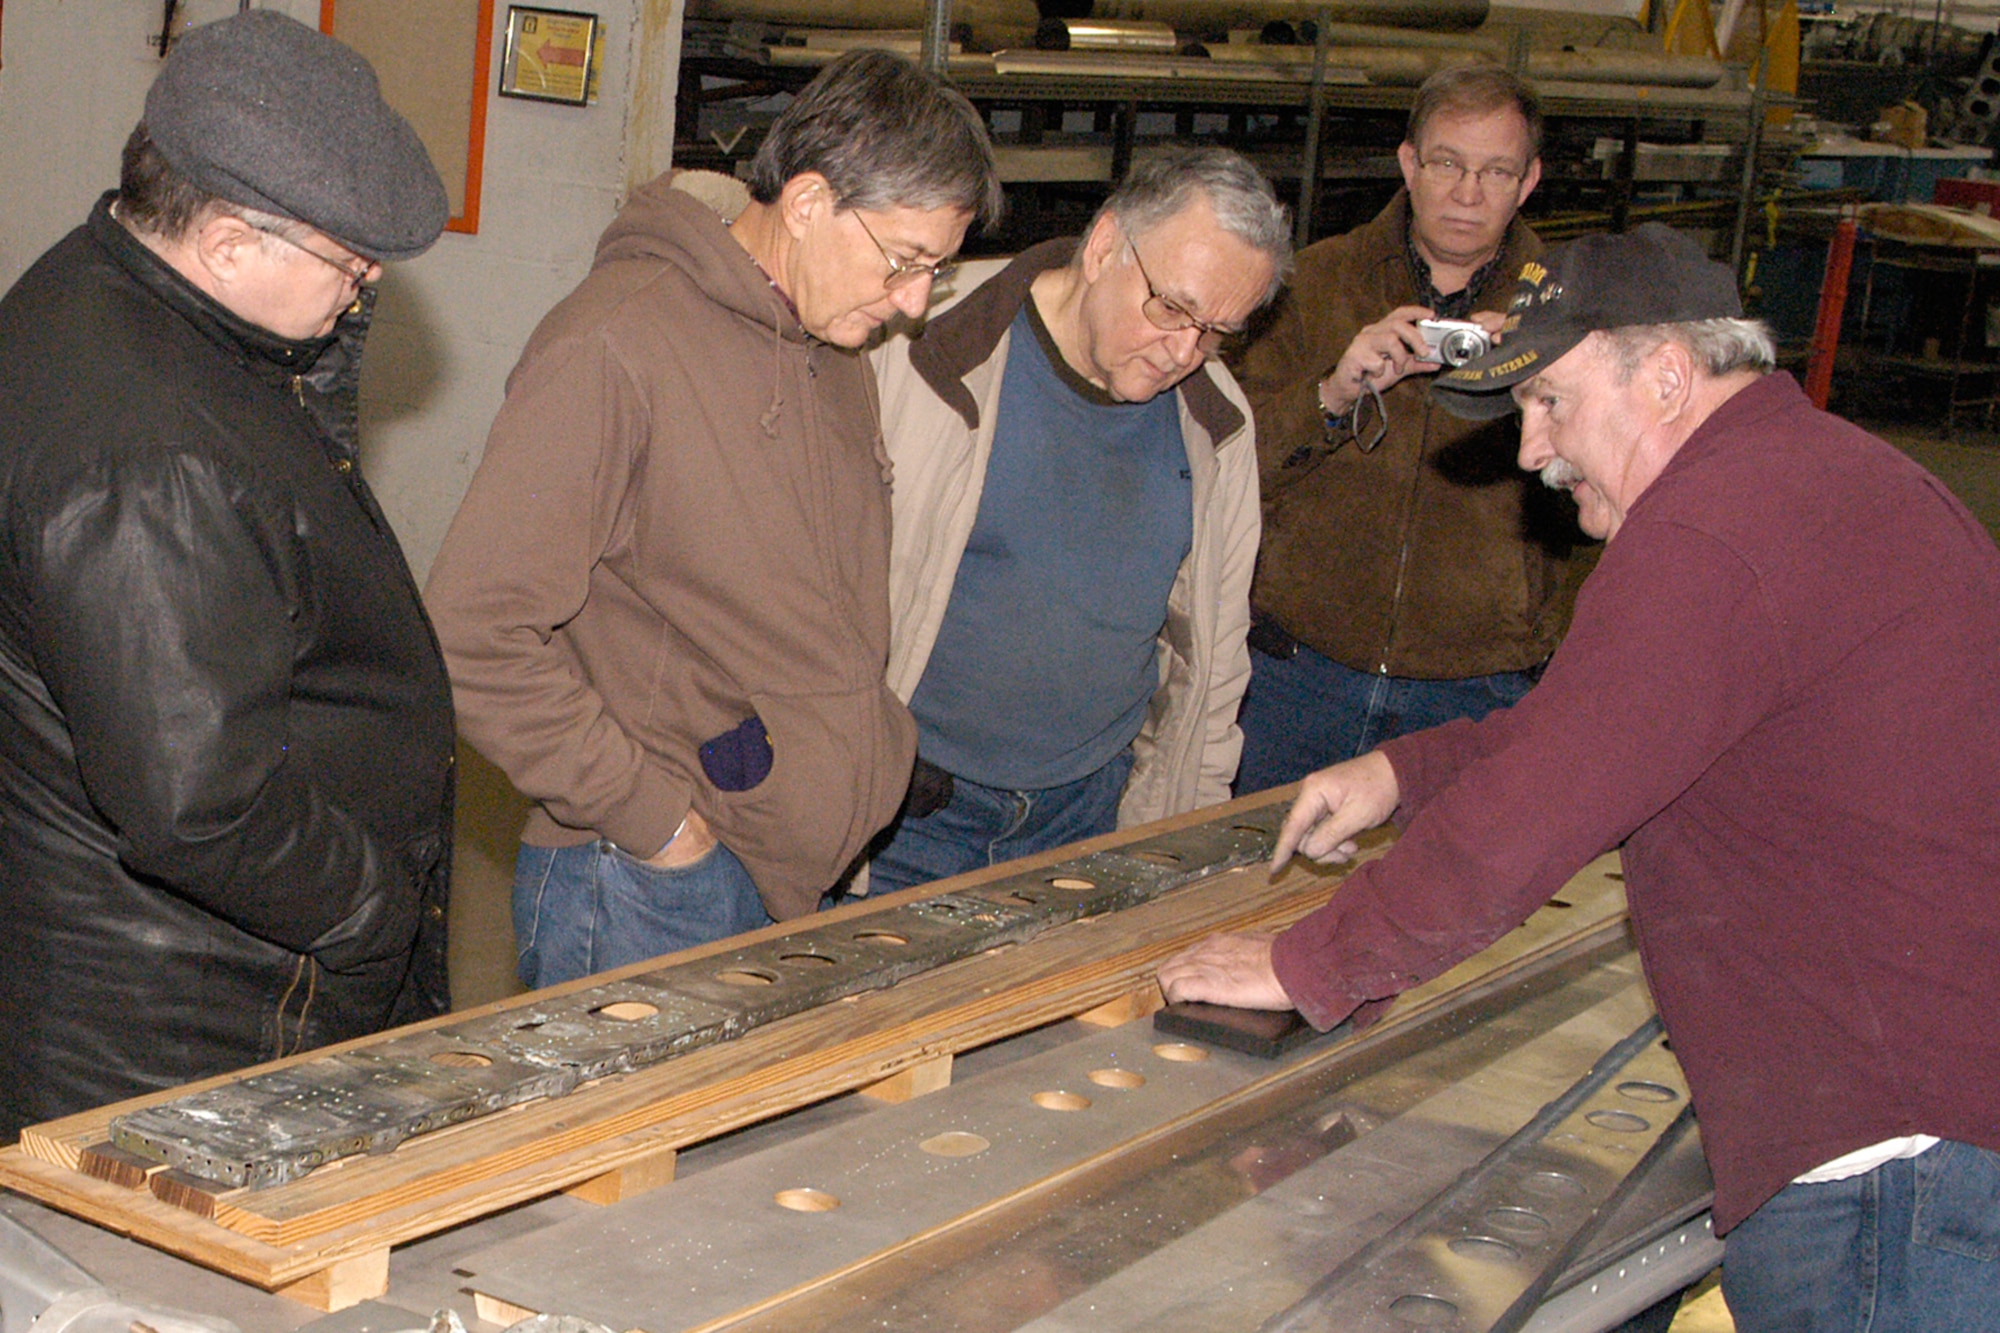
point(769, 421)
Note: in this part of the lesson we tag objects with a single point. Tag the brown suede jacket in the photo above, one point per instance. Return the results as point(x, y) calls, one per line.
point(1431, 556)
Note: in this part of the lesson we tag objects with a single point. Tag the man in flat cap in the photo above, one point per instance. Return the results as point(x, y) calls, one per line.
point(225, 728)
point(1779, 695)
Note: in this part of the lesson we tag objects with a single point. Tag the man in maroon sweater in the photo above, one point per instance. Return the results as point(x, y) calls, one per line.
point(1781, 696)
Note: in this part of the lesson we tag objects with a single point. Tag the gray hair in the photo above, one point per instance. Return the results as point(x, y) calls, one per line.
point(1719, 346)
point(1162, 184)
point(885, 135)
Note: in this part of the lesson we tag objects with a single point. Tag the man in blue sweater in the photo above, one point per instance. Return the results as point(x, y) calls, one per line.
point(1075, 522)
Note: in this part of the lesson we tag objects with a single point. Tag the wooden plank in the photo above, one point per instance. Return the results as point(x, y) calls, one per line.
point(916, 1080)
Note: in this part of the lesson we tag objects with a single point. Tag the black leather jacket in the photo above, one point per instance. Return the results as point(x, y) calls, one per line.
point(225, 728)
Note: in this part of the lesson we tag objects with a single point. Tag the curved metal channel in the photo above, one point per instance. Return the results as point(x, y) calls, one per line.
point(266, 1129)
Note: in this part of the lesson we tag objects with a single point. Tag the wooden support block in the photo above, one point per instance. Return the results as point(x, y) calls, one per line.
point(496, 1311)
point(914, 1081)
point(106, 1162)
point(185, 1191)
point(620, 1183)
point(1139, 1003)
point(343, 1283)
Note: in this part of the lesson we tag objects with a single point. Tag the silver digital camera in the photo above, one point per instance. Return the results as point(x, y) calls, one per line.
point(1453, 342)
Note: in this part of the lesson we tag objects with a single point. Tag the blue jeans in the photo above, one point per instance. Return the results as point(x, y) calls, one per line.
point(592, 907)
point(983, 826)
point(1912, 1245)
point(1303, 713)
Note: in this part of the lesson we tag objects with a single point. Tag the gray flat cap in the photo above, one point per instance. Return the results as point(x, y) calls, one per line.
point(265, 112)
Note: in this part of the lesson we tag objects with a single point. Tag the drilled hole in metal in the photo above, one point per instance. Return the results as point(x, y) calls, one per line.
point(1551, 1185)
point(1559, 902)
point(1521, 1223)
point(462, 1059)
point(1158, 858)
point(1618, 875)
point(626, 1011)
point(1641, 1091)
point(1060, 1101)
point(1490, 1249)
point(881, 937)
point(1249, 828)
point(1073, 883)
point(1424, 1311)
point(1619, 1122)
point(819, 958)
point(743, 976)
point(1180, 1052)
point(807, 1201)
point(955, 1143)
point(1031, 899)
point(1117, 1078)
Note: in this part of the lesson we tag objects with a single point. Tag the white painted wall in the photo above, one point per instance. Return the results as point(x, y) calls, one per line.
point(73, 80)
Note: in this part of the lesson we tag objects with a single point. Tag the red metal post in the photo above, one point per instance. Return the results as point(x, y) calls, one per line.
point(1832, 303)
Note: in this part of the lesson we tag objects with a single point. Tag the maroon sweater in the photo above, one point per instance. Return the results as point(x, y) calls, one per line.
point(1781, 693)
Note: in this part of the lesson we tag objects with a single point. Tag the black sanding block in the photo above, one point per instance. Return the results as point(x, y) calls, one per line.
point(1267, 1033)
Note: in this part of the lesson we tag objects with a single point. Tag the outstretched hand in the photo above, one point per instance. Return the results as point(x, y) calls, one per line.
point(1333, 805)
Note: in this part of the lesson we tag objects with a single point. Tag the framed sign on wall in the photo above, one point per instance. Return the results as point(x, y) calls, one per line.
point(549, 53)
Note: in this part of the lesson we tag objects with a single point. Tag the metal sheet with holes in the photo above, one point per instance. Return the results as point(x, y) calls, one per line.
point(720, 1240)
point(1304, 1226)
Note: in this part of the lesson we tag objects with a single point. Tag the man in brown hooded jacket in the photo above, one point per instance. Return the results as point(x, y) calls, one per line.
point(664, 602)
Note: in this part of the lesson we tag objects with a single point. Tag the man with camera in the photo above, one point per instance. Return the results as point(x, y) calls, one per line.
point(1409, 574)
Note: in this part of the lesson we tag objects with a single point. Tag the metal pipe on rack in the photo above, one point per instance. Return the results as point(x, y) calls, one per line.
point(937, 36)
point(1056, 34)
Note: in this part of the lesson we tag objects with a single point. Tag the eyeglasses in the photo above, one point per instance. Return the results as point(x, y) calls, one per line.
point(1166, 314)
point(1449, 171)
point(357, 275)
point(903, 272)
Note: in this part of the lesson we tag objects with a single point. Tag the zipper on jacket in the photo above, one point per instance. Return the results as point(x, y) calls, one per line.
point(1403, 556)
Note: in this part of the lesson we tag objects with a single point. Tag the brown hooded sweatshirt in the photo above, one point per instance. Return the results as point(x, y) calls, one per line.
point(681, 522)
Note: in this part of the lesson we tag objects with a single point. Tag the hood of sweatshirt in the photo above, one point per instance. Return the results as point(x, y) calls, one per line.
point(682, 218)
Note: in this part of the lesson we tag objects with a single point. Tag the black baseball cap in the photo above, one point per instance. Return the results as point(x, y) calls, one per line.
point(1649, 275)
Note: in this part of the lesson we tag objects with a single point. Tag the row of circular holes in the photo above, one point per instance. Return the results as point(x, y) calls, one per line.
point(960, 1143)
point(1525, 1225)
